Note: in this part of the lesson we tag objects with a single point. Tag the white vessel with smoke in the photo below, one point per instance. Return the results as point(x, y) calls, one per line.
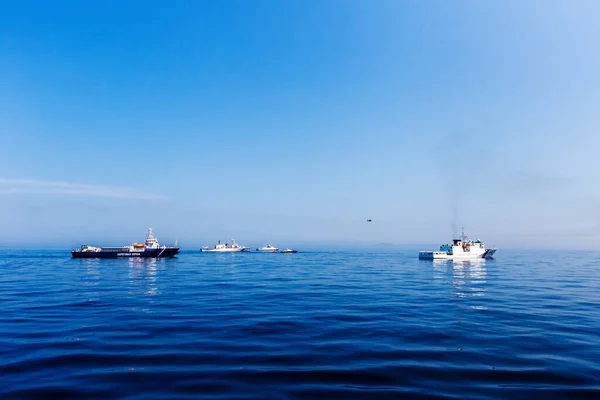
point(461, 249)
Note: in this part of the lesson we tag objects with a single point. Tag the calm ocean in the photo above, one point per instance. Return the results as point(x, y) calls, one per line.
point(320, 325)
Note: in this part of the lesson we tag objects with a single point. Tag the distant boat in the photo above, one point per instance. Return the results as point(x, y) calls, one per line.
point(268, 249)
point(149, 249)
point(460, 249)
point(369, 220)
point(232, 247)
point(287, 251)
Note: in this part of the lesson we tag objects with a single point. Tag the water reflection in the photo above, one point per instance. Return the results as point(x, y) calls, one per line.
point(468, 277)
point(91, 272)
point(143, 272)
point(91, 279)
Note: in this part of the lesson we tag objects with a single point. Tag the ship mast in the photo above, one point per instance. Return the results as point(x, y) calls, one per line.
point(463, 237)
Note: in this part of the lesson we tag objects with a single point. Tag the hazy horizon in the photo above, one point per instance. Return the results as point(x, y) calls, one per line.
point(302, 245)
point(295, 122)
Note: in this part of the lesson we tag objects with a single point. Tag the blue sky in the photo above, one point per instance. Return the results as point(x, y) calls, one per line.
point(294, 122)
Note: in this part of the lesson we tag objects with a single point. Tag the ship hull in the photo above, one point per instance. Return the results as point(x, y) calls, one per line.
point(221, 250)
point(148, 253)
point(438, 255)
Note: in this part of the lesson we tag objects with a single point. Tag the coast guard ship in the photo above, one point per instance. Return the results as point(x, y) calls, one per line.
point(150, 248)
point(460, 249)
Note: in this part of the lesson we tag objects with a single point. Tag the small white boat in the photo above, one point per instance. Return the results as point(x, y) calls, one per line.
point(288, 250)
point(460, 249)
point(268, 248)
point(232, 247)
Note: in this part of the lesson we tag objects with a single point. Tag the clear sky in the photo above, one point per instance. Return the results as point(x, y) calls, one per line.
point(292, 122)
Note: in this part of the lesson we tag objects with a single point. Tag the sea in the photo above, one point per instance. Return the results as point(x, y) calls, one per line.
point(311, 325)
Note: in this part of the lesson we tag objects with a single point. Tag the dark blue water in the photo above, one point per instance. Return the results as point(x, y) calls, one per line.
point(299, 326)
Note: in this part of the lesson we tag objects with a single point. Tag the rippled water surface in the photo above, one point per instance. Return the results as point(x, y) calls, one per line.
point(325, 325)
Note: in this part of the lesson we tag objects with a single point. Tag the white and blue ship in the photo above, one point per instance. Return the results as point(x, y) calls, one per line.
point(461, 249)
